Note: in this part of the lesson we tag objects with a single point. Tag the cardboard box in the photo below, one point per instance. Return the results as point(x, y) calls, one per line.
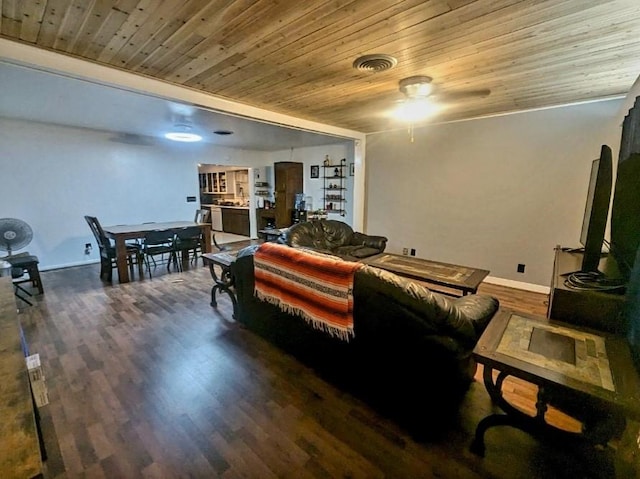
point(35, 368)
point(40, 393)
point(36, 377)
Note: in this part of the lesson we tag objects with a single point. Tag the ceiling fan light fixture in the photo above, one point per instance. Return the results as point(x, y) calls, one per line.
point(183, 134)
point(416, 86)
point(415, 110)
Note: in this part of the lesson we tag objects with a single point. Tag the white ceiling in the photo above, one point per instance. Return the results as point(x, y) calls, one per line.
point(37, 95)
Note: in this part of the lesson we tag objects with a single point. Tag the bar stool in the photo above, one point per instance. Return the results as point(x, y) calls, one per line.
point(21, 264)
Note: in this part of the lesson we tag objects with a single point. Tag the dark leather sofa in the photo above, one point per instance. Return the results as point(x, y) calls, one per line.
point(333, 237)
point(410, 356)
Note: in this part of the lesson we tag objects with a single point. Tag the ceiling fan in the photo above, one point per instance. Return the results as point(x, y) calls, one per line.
point(422, 99)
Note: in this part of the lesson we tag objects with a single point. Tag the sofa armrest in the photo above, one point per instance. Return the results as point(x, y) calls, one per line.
point(361, 239)
point(478, 309)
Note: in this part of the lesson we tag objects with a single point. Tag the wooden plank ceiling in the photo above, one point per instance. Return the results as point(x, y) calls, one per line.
point(295, 57)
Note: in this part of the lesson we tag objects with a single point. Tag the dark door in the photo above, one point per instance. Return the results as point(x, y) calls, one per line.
point(288, 176)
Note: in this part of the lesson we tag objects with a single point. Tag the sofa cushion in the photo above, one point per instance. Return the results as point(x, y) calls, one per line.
point(356, 251)
point(336, 233)
point(334, 237)
point(412, 310)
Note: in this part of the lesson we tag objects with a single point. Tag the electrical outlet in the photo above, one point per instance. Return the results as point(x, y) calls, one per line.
point(520, 268)
point(413, 251)
point(405, 251)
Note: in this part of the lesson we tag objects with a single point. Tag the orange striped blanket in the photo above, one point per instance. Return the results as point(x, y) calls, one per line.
point(319, 288)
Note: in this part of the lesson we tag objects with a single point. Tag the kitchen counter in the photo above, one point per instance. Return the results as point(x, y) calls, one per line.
point(208, 205)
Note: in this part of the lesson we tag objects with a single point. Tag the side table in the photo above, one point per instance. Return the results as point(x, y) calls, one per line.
point(225, 282)
point(579, 370)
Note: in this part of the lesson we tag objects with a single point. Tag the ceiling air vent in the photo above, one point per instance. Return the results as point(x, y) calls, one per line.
point(377, 62)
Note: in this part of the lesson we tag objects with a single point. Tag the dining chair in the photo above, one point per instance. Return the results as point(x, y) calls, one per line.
point(220, 247)
point(202, 216)
point(108, 251)
point(187, 240)
point(159, 243)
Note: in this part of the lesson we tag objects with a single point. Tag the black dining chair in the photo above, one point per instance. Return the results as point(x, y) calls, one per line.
point(159, 243)
point(108, 251)
point(188, 240)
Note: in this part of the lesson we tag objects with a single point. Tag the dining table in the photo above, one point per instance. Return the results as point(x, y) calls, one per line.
point(121, 233)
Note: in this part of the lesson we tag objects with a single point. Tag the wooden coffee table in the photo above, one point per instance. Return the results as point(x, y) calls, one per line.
point(575, 369)
point(461, 278)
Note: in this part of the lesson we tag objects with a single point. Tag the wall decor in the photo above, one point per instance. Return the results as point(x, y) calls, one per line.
point(315, 171)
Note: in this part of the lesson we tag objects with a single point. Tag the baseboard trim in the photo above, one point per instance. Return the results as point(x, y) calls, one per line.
point(535, 288)
point(509, 283)
point(69, 265)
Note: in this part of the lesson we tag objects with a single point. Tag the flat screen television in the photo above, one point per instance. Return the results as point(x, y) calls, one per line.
point(625, 214)
point(632, 311)
point(596, 211)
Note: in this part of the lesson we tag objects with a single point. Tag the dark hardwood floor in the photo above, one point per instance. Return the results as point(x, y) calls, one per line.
point(147, 380)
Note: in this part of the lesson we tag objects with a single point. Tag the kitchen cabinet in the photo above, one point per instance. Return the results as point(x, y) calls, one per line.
point(214, 182)
point(241, 186)
point(236, 221)
point(288, 176)
point(265, 218)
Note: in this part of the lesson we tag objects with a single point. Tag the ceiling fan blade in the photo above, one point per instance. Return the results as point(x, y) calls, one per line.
point(461, 95)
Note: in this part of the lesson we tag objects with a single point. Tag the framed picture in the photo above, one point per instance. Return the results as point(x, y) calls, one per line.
point(315, 171)
point(352, 169)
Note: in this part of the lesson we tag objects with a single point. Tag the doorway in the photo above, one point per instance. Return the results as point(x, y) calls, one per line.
point(226, 191)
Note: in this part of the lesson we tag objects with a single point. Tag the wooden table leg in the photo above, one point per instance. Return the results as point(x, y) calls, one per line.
point(121, 260)
point(206, 232)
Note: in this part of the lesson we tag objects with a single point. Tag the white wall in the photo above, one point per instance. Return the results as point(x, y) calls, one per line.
point(313, 186)
point(52, 176)
point(489, 193)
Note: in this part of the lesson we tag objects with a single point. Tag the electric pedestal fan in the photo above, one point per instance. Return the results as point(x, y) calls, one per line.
point(14, 234)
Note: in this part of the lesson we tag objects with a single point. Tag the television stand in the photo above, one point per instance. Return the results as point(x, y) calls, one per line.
point(601, 310)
